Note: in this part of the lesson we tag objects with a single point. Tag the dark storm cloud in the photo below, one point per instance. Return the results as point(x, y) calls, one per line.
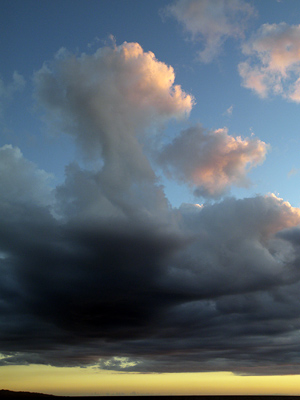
point(90, 281)
point(212, 295)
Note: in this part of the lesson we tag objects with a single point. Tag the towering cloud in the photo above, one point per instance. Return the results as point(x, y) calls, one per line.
point(109, 102)
point(211, 161)
point(212, 22)
point(107, 99)
point(273, 65)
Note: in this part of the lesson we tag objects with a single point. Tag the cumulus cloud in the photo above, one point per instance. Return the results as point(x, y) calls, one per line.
point(211, 161)
point(273, 66)
point(212, 22)
point(108, 98)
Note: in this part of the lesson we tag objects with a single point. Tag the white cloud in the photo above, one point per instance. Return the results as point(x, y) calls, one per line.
point(213, 22)
point(273, 66)
point(211, 161)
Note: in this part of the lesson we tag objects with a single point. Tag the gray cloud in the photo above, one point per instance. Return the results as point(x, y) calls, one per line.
point(21, 180)
point(88, 194)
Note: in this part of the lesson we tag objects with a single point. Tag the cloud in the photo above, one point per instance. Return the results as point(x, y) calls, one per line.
point(273, 66)
point(292, 172)
point(212, 22)
point(103, 271)
point(136, 298)
point(89, 195)
point(107, 99)
point(8, 90)
point(21, 181)
point(229, 111)
point(111, 102)
point(211, 161)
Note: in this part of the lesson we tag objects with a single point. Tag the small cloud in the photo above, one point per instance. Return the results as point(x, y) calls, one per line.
point(93, 42)
point(292, 172)
point(229, 111)
point(211, 161)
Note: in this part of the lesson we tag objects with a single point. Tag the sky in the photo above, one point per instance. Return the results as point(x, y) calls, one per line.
point(150, 207)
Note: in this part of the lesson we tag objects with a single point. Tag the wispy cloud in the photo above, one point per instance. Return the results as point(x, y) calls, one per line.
point(212, 22)
point(293, 171)
point(7, 90)
point(229, 111)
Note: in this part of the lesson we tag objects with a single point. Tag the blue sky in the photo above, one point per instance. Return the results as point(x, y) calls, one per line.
point(149, 158)
point(35, 32)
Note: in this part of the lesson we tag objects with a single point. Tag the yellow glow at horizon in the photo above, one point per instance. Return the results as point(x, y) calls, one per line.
point(92, 381)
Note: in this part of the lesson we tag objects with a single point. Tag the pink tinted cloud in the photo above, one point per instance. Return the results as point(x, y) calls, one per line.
point(211, 161)
point(273, 65)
